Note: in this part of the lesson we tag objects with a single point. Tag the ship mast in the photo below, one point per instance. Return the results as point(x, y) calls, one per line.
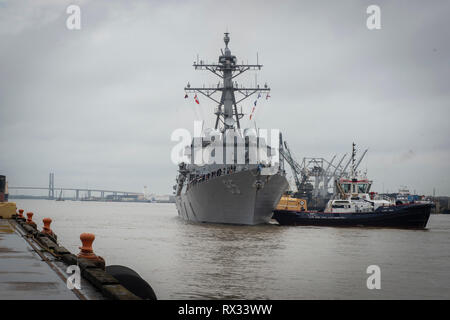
point(227, 69)
point(353, 173)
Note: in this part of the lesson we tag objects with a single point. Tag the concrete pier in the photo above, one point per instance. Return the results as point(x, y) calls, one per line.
point(23, 273)
point(33, 266)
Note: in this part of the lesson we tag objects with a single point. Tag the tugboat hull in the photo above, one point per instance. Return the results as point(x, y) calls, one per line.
point(413, 216)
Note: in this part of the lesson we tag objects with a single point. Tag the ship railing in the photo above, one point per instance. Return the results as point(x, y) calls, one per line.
point(213, 174)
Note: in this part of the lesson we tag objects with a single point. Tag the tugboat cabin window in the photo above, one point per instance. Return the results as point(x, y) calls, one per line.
point(346, 187)
point(362, 188)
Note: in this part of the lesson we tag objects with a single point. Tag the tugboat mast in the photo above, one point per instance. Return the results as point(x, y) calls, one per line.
point(227, 69)
point(353, 173)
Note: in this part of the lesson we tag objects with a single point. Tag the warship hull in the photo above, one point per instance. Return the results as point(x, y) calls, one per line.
point(243, 198)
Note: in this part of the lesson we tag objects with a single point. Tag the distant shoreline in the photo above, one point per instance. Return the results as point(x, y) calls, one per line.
point(28, 197)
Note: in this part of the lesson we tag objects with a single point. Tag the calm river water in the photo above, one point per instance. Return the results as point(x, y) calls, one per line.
point(183, 260)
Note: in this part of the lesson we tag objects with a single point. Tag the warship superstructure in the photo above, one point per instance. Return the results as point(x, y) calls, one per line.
point(230, 175)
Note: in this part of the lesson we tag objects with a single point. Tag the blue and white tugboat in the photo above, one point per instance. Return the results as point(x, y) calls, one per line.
point(354, 206)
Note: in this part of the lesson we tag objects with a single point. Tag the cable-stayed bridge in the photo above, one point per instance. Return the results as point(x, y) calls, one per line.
point(78, 191)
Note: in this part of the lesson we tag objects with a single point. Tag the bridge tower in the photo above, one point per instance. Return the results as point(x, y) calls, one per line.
point(51, 186)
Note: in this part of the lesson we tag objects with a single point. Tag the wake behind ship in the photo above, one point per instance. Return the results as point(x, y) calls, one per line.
point(240, 177)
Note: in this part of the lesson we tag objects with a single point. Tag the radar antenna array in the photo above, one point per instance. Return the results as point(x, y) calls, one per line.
point(227, 69)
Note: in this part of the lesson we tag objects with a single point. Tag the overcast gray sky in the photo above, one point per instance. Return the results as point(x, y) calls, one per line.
point(97, 106)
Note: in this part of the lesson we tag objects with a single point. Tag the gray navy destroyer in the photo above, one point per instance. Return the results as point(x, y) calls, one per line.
point(240, 176)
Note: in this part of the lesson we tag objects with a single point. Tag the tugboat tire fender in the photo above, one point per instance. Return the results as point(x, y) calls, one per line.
point(131, 280)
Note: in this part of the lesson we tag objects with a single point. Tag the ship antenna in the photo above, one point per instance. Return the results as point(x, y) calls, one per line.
point(227, 69)
point(226, 39)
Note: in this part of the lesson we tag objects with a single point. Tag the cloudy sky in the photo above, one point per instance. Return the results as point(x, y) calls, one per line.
point(97, 106)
